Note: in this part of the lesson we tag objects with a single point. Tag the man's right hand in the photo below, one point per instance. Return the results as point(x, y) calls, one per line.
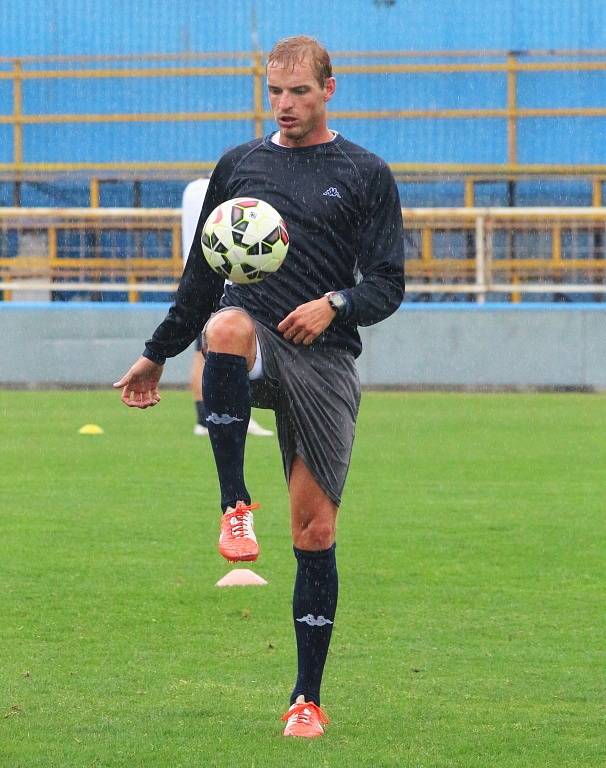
point(140, 384)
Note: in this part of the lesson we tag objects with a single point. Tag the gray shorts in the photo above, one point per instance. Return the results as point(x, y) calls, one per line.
point(315, 394)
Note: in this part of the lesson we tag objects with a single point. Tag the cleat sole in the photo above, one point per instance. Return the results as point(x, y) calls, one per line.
point(245, 559)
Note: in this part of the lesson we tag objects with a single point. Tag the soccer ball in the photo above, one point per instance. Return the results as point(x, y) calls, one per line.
point(244, 240)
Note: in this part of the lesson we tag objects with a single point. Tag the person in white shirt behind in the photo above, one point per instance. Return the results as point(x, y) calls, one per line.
point(193, 198)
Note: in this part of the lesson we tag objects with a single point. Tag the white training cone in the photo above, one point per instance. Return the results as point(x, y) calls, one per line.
point(90, 429)
point(241, 577)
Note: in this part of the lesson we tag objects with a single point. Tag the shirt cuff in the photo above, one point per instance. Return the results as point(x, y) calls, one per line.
point(155, 358)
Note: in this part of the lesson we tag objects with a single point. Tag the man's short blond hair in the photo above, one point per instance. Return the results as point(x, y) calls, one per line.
point(291, 51)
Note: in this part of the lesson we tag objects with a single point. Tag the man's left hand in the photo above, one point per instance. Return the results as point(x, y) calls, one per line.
point(305, 323)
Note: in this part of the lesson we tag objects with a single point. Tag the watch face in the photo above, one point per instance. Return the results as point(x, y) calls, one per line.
point(337, 301)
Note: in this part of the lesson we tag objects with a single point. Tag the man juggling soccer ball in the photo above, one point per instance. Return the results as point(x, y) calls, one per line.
point(289, 341)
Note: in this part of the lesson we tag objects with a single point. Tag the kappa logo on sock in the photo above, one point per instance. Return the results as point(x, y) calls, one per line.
point(320, 621)
point(224, 418)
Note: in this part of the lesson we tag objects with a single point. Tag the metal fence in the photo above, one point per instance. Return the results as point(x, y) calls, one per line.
point(506, 253)
point(106, 116)
point(130, 254)
point(52, 252)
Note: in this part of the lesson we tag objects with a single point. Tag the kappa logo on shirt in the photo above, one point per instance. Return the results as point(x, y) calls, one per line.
point(331, 192)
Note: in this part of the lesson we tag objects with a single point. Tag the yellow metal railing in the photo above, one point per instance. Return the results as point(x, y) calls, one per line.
point(510, 251)
point(475, 251)
point(252, 65)
point(125, 250)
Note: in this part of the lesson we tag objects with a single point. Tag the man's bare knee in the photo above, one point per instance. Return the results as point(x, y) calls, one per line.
point(232, 333)
point(314, 535)
point(313, 513)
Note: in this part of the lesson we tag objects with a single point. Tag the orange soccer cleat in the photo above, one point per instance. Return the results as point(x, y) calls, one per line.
point(305, 720)
point(237, 541)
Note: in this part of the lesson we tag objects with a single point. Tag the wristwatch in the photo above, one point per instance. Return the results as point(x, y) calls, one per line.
point(337, 301)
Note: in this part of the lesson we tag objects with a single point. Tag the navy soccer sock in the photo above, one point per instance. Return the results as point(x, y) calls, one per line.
point(314, 606)
point(227, 404)
point(200, 412)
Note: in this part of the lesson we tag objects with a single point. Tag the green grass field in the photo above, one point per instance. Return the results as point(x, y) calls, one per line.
point(471, 621)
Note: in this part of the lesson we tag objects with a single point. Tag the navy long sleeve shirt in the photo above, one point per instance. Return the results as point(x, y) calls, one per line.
point(342, 211)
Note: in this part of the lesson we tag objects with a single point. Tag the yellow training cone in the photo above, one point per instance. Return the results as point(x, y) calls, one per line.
point(90, 429)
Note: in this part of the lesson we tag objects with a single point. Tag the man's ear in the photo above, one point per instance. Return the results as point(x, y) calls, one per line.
point(330, 86)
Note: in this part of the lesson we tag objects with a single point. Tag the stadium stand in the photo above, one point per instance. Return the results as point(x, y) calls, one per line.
point(514, 123)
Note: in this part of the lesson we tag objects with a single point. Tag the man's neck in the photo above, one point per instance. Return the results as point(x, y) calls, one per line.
point(331, 136)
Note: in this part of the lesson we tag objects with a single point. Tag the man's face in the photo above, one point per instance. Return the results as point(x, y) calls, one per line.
point(299, 104)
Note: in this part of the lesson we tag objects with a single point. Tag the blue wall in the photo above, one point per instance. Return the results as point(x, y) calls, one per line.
point(48, 27)
point(61, 27)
